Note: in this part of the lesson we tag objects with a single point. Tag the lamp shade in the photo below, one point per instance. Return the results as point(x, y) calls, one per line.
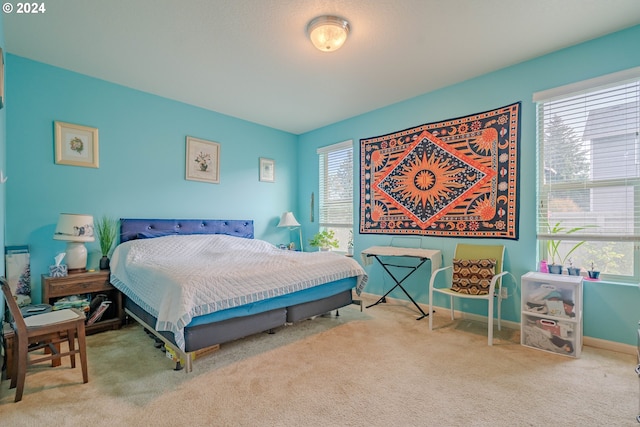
point(288, 220)
point(74, 228)
point(328, 33)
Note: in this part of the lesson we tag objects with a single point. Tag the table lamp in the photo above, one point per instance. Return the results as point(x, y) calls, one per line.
point(288, 220)
point(75, 229)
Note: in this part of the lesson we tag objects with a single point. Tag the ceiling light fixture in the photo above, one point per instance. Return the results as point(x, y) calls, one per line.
point(328, 33)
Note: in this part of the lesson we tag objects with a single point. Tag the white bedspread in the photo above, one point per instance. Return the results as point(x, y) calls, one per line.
point(176, 278)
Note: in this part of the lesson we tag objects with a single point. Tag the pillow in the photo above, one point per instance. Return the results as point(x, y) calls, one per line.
point(473, 276)
point(153, 234)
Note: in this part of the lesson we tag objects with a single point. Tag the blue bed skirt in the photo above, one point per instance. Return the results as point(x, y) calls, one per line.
point(303, 296)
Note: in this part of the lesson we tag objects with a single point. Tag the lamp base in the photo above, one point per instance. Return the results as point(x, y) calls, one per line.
point(76, 257)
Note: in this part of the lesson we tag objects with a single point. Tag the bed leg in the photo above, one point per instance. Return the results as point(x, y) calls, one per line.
point(178, 366)
point(337, 313)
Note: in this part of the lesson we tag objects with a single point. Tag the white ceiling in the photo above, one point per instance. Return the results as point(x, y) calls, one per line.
point(251, 59)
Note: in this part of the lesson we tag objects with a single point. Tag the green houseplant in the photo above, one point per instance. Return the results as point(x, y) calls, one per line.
point(106, 229)
point(553, 247)
point(325, 240)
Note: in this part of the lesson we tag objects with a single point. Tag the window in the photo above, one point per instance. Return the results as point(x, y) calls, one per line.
point(589, 174)
point(336, 190)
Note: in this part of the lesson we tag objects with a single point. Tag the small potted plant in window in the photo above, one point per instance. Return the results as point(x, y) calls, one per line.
point(325, 240)
point(593, 274)
point(573, 271)
point(553, 247)
point(106, 229)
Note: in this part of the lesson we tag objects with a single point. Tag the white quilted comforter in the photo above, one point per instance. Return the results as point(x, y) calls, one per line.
point(176, 278)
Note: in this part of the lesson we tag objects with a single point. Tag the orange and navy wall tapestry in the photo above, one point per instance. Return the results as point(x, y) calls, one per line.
point(456, 178)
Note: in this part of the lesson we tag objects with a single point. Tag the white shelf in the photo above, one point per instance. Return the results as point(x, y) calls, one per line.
point(552, 313)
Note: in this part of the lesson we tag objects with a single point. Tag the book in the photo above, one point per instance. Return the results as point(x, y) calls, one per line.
point(97, 315)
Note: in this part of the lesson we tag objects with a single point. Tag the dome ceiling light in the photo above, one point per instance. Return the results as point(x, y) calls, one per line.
point(328, 33)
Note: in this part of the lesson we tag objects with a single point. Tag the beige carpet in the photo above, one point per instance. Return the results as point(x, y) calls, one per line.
point(376, 368)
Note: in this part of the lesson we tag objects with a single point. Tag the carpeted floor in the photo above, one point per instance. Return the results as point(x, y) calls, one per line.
point(380, 367)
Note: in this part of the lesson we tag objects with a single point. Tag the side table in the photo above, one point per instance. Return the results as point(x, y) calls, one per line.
point(87, 284)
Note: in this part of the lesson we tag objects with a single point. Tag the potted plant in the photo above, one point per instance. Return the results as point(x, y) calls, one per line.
point(553, 247)
point(106, 229)
point(350, 243)
point(573, 271)
point(593, 274)
point(325, 240)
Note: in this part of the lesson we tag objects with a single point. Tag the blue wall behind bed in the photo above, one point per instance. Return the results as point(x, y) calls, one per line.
point(142, 161)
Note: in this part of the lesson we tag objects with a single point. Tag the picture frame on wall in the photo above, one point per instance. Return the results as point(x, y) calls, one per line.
point(76, 145)
point(203, 160)
point(267, 170)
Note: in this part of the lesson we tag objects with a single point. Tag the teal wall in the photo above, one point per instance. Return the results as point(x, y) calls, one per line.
point(141, 174)
point(611, 310)
point(142, 161)
point(3, 157)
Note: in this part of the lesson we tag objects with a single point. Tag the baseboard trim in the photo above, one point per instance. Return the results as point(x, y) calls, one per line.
point(588, 341)
point(610, 345)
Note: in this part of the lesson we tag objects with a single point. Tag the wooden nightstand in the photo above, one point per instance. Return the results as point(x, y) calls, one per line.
point(87, 284)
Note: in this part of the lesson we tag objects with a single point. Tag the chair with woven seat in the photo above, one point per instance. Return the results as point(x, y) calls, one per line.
point(40, 331)
point(476, 273)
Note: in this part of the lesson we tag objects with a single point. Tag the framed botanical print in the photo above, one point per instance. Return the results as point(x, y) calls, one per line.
point(267, 170)
point(76, 145)
point(203, 160)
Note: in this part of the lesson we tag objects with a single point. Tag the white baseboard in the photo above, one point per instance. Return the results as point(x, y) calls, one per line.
point(610, 345)
point(588, 341)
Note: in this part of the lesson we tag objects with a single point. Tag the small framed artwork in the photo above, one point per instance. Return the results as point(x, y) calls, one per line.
point(76, 145)
point(267, 170)
point(203, 160)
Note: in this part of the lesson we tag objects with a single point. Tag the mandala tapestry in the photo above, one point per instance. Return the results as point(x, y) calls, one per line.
point(456, 178)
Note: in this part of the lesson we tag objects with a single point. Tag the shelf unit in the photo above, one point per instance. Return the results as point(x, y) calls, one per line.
point(86, 284)
point(552, 313)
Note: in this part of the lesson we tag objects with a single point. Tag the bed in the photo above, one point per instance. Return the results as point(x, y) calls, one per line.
point(198, 283)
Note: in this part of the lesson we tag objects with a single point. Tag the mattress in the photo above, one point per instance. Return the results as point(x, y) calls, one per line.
point(217, 277)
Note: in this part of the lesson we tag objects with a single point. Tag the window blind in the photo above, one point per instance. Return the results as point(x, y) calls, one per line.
point(589, 160)
point(336, 185)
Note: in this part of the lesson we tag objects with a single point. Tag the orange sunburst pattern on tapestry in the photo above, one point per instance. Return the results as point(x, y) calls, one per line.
point(454, 178)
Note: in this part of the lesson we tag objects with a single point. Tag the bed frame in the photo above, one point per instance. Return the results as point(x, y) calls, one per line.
point(204, 336)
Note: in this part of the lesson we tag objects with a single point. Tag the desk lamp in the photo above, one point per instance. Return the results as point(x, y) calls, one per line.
point(288, 220)
point(75, 229)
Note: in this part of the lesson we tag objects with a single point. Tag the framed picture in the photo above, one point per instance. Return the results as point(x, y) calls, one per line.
point(76, 145)
point(203, 160)
point(267, 170)
point(1, 78)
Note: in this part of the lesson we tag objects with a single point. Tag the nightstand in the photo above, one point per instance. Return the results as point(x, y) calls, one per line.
point(87, 284)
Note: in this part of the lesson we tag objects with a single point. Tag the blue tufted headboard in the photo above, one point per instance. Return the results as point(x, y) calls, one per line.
point(133, 228)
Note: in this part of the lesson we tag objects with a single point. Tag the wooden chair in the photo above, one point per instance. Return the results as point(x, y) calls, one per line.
point(40, 331)
point(472, 262)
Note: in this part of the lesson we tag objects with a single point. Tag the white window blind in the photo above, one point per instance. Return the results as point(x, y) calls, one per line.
point(589, 170)
point(336, 185)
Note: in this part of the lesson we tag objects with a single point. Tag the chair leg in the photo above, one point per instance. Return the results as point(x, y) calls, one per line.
point(451, 305)
point(71, 340)
point(499, 313)
point(82, 347)
point(57, 361)
point(490, 321)
point(20, 370)
point(14, 365)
